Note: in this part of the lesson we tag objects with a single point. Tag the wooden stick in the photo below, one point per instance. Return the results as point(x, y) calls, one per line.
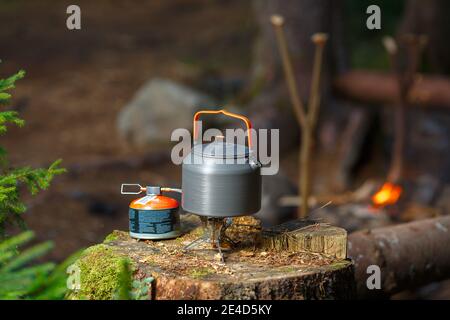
point(303, 175)
point(306, 119)
point(319, 39)
point(405, 80)
point(360, 195)
point(278, 22)
point(305, 170)
point(396, 166)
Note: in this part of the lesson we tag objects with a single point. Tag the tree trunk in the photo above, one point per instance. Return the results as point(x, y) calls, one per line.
point(430, 17)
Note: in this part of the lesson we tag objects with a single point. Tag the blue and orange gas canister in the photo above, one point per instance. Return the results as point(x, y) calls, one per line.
point(153, 216)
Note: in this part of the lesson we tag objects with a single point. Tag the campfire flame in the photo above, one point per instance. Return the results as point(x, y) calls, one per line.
point(387, 195)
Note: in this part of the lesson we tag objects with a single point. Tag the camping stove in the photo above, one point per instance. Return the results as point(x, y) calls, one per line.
point(214, 236)
point(220, 180)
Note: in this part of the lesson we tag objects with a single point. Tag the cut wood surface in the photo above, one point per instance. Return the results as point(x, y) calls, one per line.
point(306, 236)
point(409, 255)
point(249, 271)
point(378, 87)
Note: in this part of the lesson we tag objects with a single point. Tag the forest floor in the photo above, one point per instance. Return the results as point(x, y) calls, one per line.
point(77, 82)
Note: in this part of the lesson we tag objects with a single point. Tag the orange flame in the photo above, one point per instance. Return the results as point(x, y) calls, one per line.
point(388, 194)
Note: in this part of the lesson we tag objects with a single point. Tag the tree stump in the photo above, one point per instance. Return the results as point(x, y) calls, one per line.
point(163, 270)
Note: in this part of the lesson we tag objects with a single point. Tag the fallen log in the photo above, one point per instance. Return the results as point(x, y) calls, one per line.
point(378, 87)
point(409, 255)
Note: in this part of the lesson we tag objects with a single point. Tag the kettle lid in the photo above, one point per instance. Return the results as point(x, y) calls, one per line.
point(221, 150)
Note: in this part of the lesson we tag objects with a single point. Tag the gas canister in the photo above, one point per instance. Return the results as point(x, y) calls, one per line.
point(153, 216)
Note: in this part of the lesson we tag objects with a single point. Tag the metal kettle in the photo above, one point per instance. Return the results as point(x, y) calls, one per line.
point(221, 179)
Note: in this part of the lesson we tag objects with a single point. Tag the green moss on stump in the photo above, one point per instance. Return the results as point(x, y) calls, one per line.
point(340, 264)
point(201, 272)
point(100, 273)
point(116, 235)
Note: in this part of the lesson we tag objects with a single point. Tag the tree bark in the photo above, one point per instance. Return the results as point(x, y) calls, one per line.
point(409, 255)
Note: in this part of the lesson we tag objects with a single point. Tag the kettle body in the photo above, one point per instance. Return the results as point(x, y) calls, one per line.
point(221, 179)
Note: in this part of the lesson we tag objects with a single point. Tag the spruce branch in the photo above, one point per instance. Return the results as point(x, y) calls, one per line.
point(20, 277)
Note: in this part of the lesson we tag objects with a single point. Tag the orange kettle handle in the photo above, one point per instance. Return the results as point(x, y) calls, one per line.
point(227, 113)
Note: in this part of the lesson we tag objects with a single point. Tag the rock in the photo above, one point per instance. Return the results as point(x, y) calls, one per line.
point(157, 108)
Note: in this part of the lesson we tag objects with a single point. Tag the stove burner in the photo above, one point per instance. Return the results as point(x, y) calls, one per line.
point(214, 235)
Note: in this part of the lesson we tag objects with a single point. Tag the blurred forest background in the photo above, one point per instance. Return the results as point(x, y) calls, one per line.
point(79, 82)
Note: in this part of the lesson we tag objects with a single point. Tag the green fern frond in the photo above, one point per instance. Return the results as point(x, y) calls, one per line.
point(12, 243)
point(21, 278)
point(27, 256)
point(56, 283)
